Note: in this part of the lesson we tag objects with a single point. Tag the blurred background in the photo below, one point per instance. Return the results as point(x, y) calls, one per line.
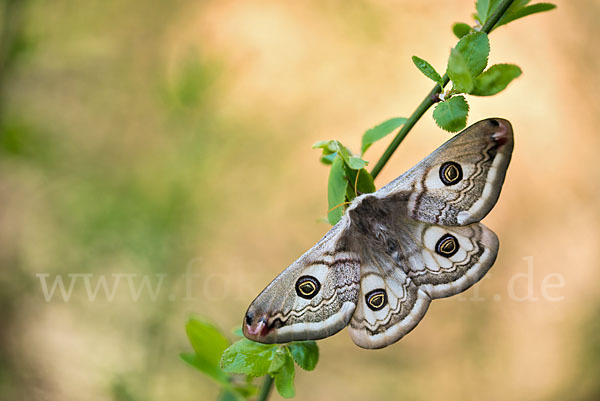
point(143, 140)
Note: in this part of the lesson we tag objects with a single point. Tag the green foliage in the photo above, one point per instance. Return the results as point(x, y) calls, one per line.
point(461, 29)
point(336, 190)
point(254, 359)
point(387, 127)
point(364, 182)
point(483, 8)
point(451, 115)
point(475, 48)
point(305, 353)
point(517, 10)
point(495, 79)
point(208, 344)
point(458, 71)
point(284, 377)
point(465, 69)
point(348, 176)
point(428, 70)
point(466, 65)
point(523, 11)
point(214, 356)
point(250, 358)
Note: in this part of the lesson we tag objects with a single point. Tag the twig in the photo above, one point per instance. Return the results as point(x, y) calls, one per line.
point(266, 388)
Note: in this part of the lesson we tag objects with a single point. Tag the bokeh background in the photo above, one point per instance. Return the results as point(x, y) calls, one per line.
point(150, 138)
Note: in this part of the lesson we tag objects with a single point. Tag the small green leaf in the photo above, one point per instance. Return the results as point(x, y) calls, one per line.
point(495, 79)
point(305, 353)
point(248, 357)
point(461, 29)
point(208, 343)
point(427, 70)
point(524, 11)
point(379, 131)
point(238, 332)
point(328, 147)
point(212, 371)
point(284, 378)
point(451, 115)
point(344, 153)
point(278, 360)
point(483, 8)
point(320, 144)
point(475, 48)
point(332, 148)
point(365, 184)
point(458, 71)
point(336, 190)
point(328, 159)
point(356, 163)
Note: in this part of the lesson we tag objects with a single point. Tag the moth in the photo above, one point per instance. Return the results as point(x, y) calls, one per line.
point(395, 250)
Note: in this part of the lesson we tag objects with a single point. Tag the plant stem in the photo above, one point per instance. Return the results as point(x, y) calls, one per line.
point(266, 388)
point(431, 97)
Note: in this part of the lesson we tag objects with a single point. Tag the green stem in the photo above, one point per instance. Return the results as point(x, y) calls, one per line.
point(432, 97)
point(266, 388)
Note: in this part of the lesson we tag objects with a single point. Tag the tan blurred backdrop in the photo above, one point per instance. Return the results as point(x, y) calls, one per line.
point(155, 138)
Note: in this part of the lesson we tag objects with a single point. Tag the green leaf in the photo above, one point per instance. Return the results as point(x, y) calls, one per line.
point(458, 71)
point(212, 371)
point(451, 115)
point(278, 360)
point(525, 11)
point(483, 8)
point(365, 182)
point(356, 163)
point(284, 378)
point(461, 29)
point(493, 5)
point(328, 147)
point(208, 343)
point(248, 357)
point(332, 148)
point(495, 79)
point(427, 70)
point(336, 190)
point(305, 353)
point(379, 131)
point(475, 48)
point(328, 159)
point(345, 153)
point(364, 185)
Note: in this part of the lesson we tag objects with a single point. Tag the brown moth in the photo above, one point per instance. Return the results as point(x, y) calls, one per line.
point(394, 250)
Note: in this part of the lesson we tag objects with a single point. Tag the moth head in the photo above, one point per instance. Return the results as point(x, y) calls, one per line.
point(313, 298)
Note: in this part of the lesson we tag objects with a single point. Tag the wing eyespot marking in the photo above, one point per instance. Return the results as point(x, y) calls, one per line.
point(376, 299)
point(307, 287)
point(450, 173)
point(447, 246)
